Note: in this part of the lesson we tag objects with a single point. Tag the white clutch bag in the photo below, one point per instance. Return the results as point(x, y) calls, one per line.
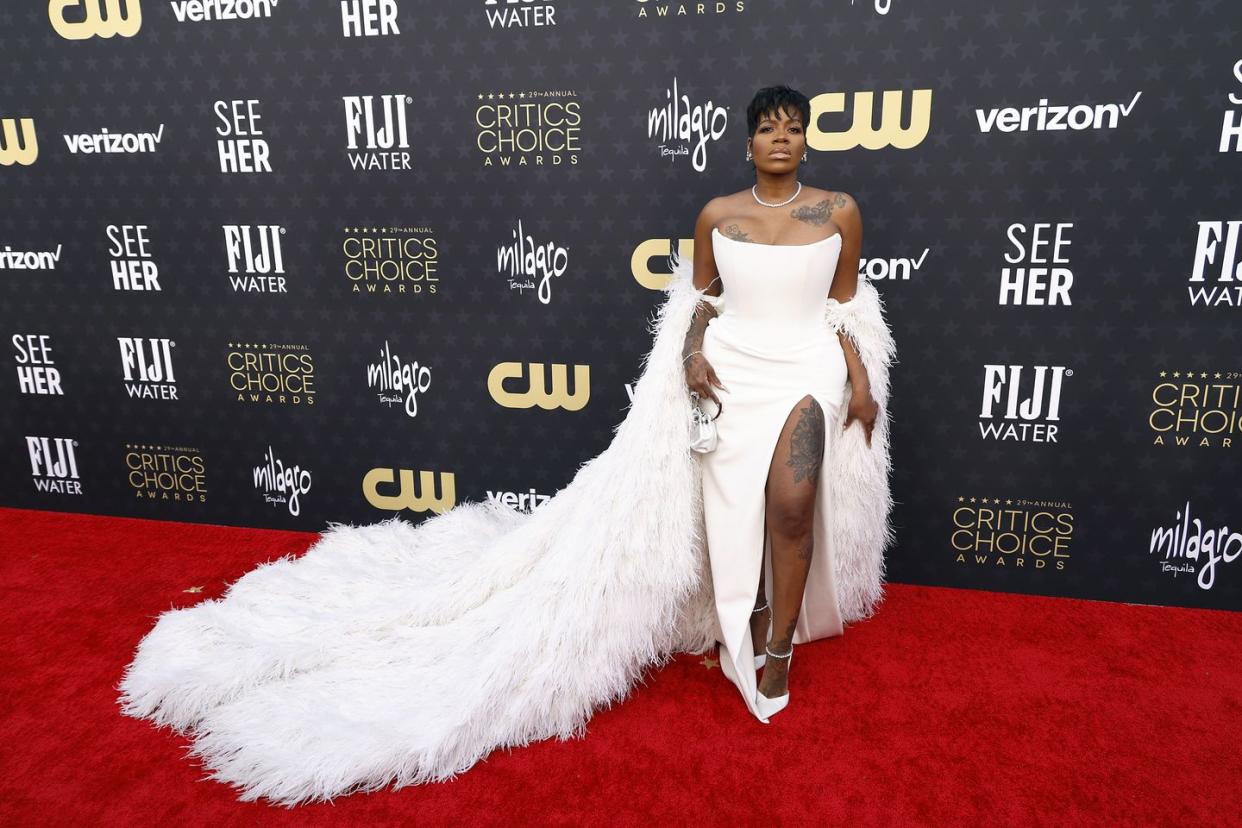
point(703, 435)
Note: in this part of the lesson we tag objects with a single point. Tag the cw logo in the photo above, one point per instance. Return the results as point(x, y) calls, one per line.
point(416, 499)
point(537, 391)
point(96, 22)
point(863, 132)
point(640, 261)
point(18, 149)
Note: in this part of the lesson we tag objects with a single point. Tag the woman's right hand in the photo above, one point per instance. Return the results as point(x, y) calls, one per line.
point(700, 377)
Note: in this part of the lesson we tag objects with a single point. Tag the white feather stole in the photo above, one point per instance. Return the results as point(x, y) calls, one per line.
point(395, 653)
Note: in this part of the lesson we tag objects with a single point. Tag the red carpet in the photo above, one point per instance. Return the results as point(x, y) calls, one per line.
point(949, 707)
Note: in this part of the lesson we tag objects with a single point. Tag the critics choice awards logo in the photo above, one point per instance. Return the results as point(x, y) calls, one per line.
point(1012, 533)
point(391, 261)
point(679, 9)
point(1196, 408)
point(267, 373)
point(542, 127)
point(172, 474)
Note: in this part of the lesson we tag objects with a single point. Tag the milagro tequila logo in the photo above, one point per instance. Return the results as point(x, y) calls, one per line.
point(54, 464)
point(519, 14)
point(376, 131)
point(281, 483)
point(1187, 544)
point(398, 382)
point(1023, 419)
point(254, 254)
point(1216, 277)
point(531, 266)
point(677, 126)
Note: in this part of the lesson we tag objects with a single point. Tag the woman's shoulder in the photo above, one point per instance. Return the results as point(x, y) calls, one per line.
point(836, 199)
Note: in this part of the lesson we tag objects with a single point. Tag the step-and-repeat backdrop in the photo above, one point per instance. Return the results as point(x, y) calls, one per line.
point(280, 262)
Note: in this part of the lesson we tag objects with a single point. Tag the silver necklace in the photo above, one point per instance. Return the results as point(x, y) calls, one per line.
point(754, 190)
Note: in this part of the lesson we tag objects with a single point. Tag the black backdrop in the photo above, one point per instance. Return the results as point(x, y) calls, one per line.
point(374, 207)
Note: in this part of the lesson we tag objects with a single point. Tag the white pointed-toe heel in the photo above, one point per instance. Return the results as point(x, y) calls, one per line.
point(769, 707)
point(761, 658)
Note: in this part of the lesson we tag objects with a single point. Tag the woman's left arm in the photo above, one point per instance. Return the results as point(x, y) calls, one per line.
point(845, 214)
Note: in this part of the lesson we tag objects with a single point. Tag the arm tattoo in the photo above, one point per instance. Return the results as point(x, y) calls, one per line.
point(703, 313)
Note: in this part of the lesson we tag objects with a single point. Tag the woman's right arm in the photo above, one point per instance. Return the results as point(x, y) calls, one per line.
point(700, 376)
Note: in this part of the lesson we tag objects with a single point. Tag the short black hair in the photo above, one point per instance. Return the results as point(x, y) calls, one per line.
point(772, 98)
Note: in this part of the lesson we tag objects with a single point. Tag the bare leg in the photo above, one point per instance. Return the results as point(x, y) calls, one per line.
point(793, 482)
point(759, 620)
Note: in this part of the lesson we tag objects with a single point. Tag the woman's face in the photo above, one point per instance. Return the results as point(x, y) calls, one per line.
point(778, 142)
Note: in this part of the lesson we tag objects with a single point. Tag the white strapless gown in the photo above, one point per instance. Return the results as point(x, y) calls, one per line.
point(770, 348)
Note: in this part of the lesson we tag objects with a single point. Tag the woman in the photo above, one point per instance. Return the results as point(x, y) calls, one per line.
point(398, 654)
point(777, 247)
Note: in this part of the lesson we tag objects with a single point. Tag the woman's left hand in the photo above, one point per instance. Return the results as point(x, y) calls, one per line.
point(865, 409)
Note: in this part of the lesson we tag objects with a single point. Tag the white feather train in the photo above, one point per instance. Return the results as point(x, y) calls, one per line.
point(395, 653)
